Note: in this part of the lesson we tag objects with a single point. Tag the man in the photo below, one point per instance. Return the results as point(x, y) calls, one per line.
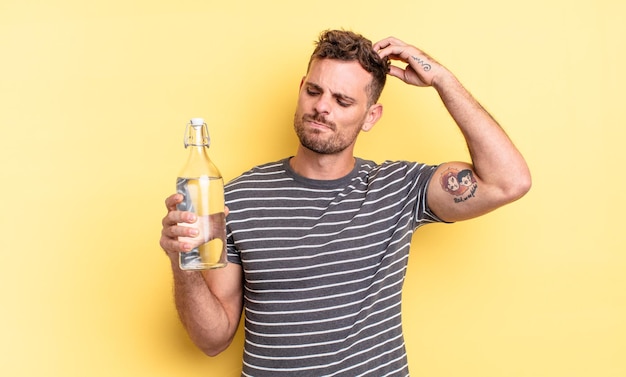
point(318, 243)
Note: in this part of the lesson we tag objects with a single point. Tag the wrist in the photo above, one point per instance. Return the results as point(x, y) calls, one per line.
point(174, 258)
point(443, 78)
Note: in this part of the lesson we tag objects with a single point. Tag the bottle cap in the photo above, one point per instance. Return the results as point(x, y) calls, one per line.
point(197, 121)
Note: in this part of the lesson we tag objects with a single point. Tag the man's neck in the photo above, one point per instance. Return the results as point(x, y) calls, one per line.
point(322, 166)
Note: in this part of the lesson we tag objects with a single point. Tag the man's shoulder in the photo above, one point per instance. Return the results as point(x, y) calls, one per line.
point(260, 172)
point(267, 167)
point(391, 165)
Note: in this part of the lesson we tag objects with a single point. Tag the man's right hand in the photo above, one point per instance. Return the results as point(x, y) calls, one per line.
point(209, 303)
point(172, 230)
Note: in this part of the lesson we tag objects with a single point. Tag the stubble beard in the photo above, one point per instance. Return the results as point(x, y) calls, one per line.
point(315, 140)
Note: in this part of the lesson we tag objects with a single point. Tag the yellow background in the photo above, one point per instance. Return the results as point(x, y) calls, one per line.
point(94, 96)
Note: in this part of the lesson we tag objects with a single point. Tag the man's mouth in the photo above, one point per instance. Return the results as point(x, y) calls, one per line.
point(319, 122)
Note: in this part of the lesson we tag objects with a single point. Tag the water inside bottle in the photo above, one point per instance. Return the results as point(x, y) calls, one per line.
point(204, 196)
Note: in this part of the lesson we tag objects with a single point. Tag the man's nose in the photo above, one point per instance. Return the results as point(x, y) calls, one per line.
point(322, 105)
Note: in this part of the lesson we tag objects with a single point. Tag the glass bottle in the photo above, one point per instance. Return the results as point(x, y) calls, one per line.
point(202, 186)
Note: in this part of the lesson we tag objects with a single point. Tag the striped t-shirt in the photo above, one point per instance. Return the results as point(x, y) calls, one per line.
point(324, 263)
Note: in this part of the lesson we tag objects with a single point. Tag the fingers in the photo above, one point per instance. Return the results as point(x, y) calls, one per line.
point(173, 216)
point(178, 234)
point(176, 217)
point(172, 201)
point(392, 48)
point(173, 246)
point(420, 69)
point(171, 230)
point(397, 72)
point(177, 238)
point(387, 42)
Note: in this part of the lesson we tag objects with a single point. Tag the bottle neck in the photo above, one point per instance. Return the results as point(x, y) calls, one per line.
point(198, 162)
point(197, 142)
point(197, 136)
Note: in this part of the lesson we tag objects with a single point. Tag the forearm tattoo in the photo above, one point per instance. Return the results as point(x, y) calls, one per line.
point(460, 184)
point(421, 62)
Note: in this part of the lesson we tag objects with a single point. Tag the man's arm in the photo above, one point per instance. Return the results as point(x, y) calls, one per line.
point(498, 173)
point(209, 303)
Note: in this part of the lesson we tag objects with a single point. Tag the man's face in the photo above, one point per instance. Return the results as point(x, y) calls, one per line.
point(332, 105)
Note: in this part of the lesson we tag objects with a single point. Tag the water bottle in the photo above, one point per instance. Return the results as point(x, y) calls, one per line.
point(202, 186)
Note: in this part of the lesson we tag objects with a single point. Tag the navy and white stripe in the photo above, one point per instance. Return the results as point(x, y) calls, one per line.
point(324, 263)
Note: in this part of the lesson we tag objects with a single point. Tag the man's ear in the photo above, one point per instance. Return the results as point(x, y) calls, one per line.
point(373, 115)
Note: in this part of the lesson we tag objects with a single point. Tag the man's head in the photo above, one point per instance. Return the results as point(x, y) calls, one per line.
point(339, 95)
point(349, 46)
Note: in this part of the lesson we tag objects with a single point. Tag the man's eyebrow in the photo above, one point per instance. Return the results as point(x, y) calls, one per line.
point(311, 85)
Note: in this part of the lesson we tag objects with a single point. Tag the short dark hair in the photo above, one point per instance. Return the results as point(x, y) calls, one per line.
point(349, 46)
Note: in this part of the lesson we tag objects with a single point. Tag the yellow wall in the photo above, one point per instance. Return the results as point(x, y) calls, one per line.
point(93, 100)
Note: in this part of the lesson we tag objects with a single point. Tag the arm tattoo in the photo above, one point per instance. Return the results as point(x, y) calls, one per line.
point(421, 62)
point(460, 184)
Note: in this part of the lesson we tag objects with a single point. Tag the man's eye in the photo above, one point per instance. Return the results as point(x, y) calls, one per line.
point(312, 92)
point(343, 103)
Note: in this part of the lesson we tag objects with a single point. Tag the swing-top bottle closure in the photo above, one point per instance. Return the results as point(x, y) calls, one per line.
point(199, 128)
